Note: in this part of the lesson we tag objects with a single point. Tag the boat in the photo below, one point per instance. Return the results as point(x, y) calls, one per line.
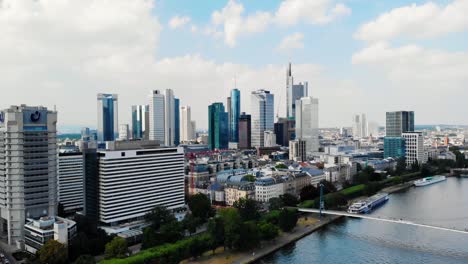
point(369, 204)
point(429, 180)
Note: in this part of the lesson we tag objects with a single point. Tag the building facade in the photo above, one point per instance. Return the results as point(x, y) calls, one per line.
point(38, 232)
point(124, 132)
point(140, 122)
point(108, 119)
point(218, 131)
point(157, 117)
point(270, 138)
point(399, 122)
point(245, 130)
point(176, 121)
point(414, 148)
point(186, 132)
point(70, 181)
point(360, 126)
point(234, 115)
point(298, 150)
point(294, 92)
point(169, 117)
point(394, 147)
point(262, 114)
point(307, 122)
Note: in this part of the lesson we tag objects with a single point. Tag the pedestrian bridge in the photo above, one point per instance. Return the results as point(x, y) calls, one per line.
point(377, 218)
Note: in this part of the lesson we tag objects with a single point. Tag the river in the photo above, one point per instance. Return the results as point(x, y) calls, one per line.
point(365, 241)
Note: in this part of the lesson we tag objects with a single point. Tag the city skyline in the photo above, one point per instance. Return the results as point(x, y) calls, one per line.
point(397, 63)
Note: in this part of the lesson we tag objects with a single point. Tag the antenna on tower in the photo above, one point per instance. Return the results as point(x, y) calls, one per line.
point(235, 81)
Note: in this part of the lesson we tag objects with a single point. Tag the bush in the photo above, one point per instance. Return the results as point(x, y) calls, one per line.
point(267, 230)
point(272, 217)
point(287, 219)
point(353, 192)
point(307, 204)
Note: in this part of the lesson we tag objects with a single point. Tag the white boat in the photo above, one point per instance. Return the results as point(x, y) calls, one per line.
point(429, 180)
point(364, 207)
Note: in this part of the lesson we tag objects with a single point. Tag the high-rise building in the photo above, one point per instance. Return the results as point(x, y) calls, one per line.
point(394, 147)
point(70, 181)
point(157, 116)
point(262, 104)
point(307, 122)
point(85, 132)
point(298, 150)
point(218, 132)
point(270, 138)
point(245, 131)
point(360, 126)
point(28, 165)
point(108, 119)
point(124, 132)
point(234, 115)
point(169, 117)
point(293, 93)
point(228, 110)
point(414, 146)
point(399, 122)
point(140, 121)
point(285, 130)
point(176, 121)
point(194, 129)
point(186, 123)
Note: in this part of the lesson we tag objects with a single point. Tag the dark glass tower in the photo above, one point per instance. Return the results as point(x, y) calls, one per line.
point(107, 117)
point(176, 121)
point(218, 132)
point(234, 116)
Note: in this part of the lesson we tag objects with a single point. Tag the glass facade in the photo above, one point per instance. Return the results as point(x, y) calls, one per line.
point(176, 121)
point(399, 122)
point(234, 116)
point(218, 132)
point(262, 103)
point(394, 147)
point(244, 135)
point(139, 121)
point(107, 117)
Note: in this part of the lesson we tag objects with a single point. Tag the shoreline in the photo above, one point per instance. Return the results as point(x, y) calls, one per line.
point(289, 238)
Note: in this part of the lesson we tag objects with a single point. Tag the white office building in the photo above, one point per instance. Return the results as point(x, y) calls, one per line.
point(28, 168)
point(414, 142)
point(307, 122)
point(360, 126)
point(38, 232)
point(262, 116)
point(70, 181)
point(186, 130)
point(156, 116)
point(267, 188)
point(169, 117)
point(298, 150)
point(270, 138)
point(134, 179)
point(124, 132)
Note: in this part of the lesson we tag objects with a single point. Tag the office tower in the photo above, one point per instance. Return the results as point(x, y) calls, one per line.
point(307, 122)
point(139, 175)
point(28, 143)
point(399, 122)
point(298, 150)
point(270, 138)
point(194, 129)
point(262, 103)
point(360, 126)
point(218, 132)
point(157, 116)
point(244, 131)
point(394, 147)
point(108, 119)
point(169, 118)
point(85, 132)
point(414, 146)
point(186, 123)
point(228, 109)
point(70, 181)
point(234, 115)
point(140, 121)
point(285, 130)
point(293, 93)
point(176, 121)
point(124, 132)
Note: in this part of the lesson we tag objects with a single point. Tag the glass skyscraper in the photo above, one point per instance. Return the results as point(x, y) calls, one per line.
point(397, 123)
point(140, 121)
point(234, 116)
point(218, 132)
point(176, 121)
point(262, 103)
point(108, 129)
point(294, 92)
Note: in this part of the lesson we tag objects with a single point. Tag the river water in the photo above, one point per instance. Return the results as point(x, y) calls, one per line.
point(365, 241)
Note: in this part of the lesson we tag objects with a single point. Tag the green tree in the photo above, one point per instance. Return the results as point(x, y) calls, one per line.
point(267, 230)
point(216, 231)
point(401, 166)
point(287, 219)
point(425, 170)
point(248, 209)
point(200, 206)
point(281, 166)
point(149, 238)
point(250, 178)
point(191, 223)
point(249, 236)
point(117, 248)
point(272, 217)
point(328, 187)
point(159, 216)
point(309, 192)
point(232, 225)
point(415, 166)
point(289, 200)
point(85, 259)
point(275, 203)
point(53, 252)
point(171, 232)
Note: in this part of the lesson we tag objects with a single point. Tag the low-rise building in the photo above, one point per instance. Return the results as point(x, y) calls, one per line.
point(38, 232)
point(235, 191)
point(267, 188)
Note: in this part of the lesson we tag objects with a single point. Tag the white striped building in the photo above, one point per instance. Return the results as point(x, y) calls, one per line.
point(132, 182)
point(70, 181)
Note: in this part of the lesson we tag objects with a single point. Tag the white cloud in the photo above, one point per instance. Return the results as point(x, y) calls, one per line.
point(231, 23)
point(293, 41)
point(417, 21)
point(178, 21)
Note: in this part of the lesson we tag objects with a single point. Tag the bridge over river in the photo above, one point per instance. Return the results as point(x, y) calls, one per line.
point(382, 219)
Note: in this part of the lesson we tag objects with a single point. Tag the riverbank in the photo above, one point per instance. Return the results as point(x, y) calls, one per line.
point(398, 188)
point(306, 225)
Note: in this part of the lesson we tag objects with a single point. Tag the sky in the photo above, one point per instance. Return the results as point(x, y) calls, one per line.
point(358, 56)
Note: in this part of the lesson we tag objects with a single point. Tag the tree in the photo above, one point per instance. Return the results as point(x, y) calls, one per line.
point(149, 238)
point(401, 166)
point(117, 248)
point(267, 230)
point(249, 236)
point(425, 170)
point(287, 219)
point(232, 225)
point(171, 232)
point(275, 203)
point(53, 252)
point(216, 231)
point(309, 192)
point(159, 216)
point(415, 166)
point(191, 223)
point(289, 200)
point(85, 259)
point(250, 178)
point(281, 166)
point(200, 206)
point(248, 209)
point(328, 187)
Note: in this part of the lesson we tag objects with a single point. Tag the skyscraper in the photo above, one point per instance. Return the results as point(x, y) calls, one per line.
point(156, 116)
point(294, 92)
point(124, 132)
point(176, 121)
point(169, 117)
point(245, 131)
point(360, 126)
point(108, 120)
point(399, 122)
point(28, 165)
point(234, 115)
point(140, 121)
point(414, 146)
point(186, 123)
point(307, 122)
point(262, 103)
point(218, 132)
